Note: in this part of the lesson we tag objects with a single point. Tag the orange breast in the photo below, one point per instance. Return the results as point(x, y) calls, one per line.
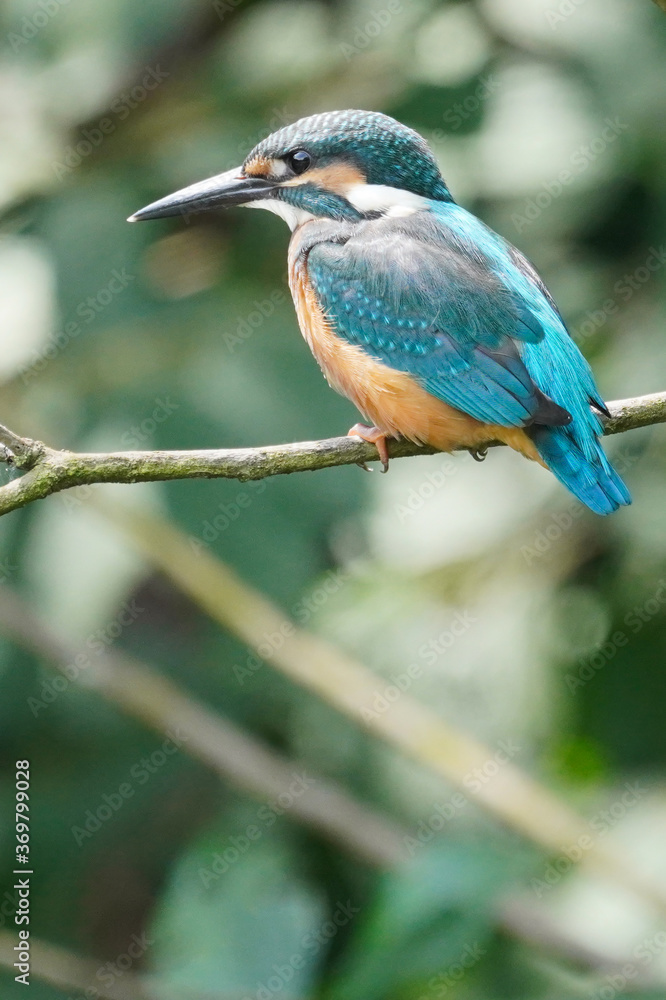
point(392, 400)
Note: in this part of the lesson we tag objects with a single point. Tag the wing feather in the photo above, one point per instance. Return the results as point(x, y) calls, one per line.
point(452, 311)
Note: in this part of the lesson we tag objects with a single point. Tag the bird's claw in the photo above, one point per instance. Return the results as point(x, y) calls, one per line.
point(374, 435)
point(478, 454)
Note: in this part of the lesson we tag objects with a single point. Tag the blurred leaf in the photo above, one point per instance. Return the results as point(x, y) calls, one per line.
point(238, 914)
point(427, 916)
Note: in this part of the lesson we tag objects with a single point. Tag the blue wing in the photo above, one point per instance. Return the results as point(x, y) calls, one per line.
point(440, 296)
point(444, 303)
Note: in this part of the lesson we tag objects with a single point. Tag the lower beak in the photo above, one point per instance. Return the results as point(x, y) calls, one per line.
point(222, 191)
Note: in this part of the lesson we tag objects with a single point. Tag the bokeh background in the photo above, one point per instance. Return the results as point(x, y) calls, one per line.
point(248, 839)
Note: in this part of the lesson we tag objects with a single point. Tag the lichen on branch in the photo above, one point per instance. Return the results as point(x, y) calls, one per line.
point(46, 470)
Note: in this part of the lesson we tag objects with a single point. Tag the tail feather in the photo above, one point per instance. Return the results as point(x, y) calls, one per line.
point(582, 468)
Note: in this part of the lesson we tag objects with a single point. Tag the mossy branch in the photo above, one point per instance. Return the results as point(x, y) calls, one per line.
point(47, 470)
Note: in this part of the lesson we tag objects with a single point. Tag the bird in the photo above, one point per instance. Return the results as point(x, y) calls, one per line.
point(432, 324)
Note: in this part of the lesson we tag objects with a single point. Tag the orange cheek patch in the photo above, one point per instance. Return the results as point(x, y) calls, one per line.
point(337, 177)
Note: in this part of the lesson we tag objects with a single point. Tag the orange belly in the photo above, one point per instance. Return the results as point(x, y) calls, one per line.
point(392, 400)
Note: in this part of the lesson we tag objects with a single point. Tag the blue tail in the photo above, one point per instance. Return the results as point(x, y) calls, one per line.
point(582, 468)
point(573, 453)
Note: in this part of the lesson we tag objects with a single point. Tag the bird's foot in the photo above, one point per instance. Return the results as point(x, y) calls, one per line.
point(374, 436)
point(478, 454)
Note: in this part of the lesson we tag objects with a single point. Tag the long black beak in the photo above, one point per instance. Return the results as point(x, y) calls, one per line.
point(229, 188)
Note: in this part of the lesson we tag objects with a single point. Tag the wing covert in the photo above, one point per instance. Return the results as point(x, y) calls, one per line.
point(420, 302)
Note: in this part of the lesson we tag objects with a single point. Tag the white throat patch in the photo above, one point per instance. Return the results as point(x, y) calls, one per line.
point(293, 216)
point(390, 201)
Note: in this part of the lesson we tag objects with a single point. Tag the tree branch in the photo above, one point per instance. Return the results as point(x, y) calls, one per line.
point(49, 471)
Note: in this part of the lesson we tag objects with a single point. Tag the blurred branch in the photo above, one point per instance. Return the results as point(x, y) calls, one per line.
point(49, 471)
point(512, 797)
point(208, 737)
point(63, 969)
point(247, 764)
point(68, 971)
point(536, 925)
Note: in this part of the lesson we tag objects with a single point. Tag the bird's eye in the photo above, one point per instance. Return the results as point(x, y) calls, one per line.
point(299, 160)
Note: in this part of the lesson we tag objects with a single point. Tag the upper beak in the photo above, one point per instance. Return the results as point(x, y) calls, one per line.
point(229, 188)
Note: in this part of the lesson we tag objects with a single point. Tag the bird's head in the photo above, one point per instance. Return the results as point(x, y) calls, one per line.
point(338, 165)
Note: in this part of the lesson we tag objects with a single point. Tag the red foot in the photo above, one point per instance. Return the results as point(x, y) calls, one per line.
point(375, 436)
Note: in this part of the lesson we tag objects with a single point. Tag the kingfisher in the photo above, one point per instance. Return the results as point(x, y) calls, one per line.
point(434, 326)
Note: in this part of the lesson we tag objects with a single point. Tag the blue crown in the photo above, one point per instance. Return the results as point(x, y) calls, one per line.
point(386, 151)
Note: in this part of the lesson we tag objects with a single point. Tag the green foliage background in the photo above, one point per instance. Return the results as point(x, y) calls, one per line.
point(180, 336)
